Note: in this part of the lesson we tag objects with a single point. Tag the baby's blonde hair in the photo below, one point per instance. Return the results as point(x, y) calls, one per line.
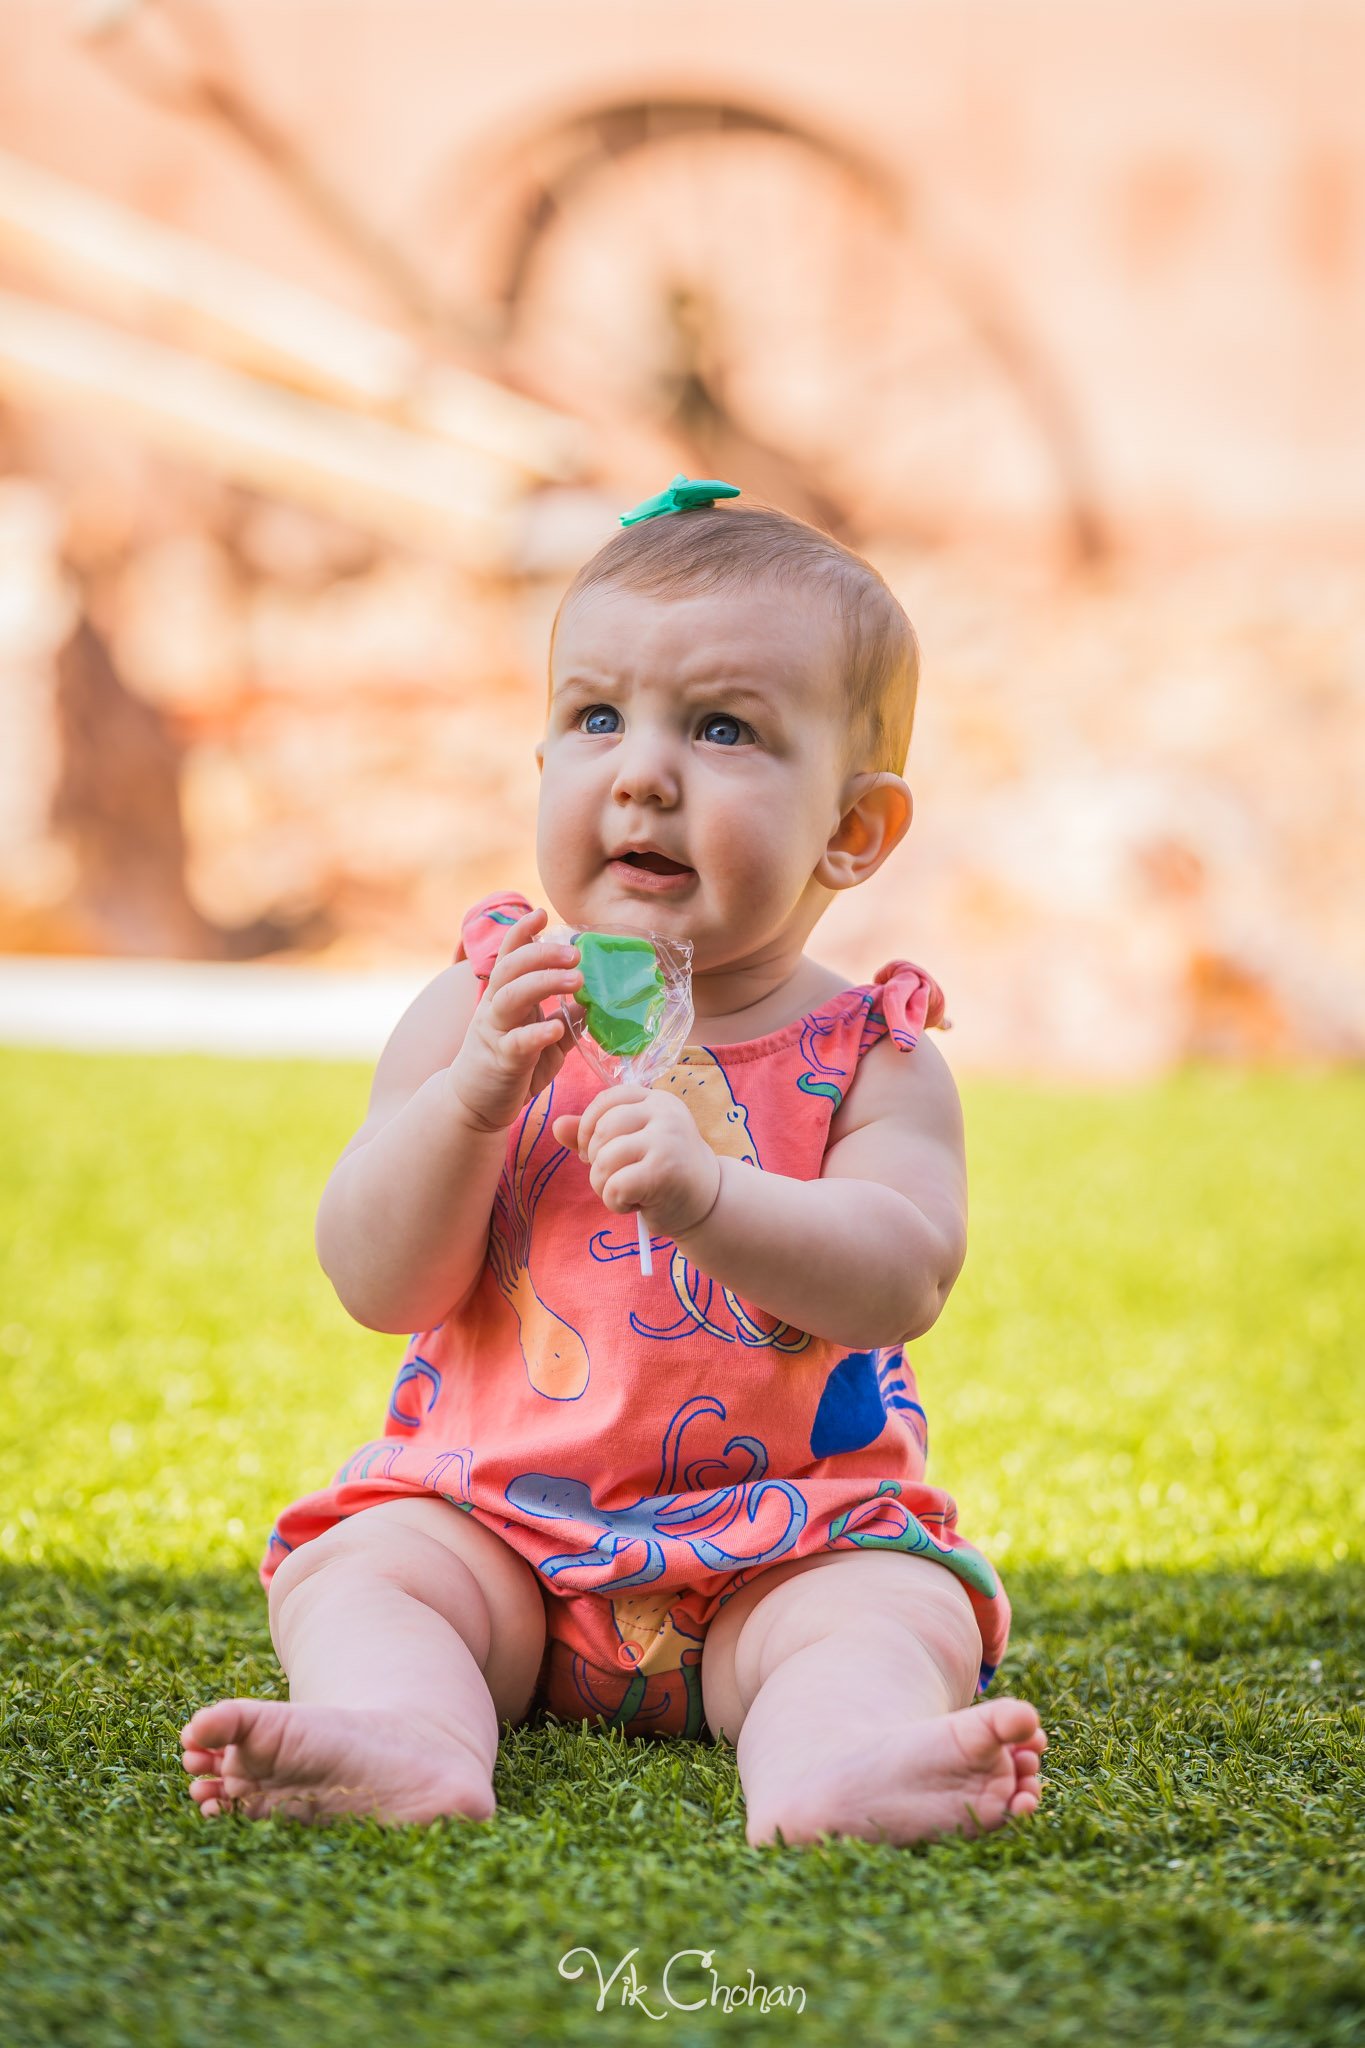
point(727, 546)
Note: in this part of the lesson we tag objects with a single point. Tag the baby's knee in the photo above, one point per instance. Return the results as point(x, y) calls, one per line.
point(375, 1547)
point(861, 1595)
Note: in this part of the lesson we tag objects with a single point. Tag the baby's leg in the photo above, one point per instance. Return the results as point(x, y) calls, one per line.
point(844, 1681)
point(408, 1632)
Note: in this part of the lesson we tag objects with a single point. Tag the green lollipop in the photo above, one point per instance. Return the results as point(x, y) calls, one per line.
point(621, 992)
point(635, 1006)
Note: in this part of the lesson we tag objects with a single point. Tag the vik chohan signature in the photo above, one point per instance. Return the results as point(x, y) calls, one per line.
point(679, 1982)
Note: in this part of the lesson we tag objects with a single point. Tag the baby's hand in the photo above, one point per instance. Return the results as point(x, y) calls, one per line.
point(510, 1050)
point(645, 1152)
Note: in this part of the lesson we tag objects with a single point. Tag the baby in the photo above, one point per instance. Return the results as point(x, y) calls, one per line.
point(691, 1502)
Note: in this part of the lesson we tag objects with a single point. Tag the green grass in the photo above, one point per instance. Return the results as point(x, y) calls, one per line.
point(1144, 1395)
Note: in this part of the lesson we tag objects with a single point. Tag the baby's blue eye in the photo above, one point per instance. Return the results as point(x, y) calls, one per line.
point(607, 711)
point(722, 718)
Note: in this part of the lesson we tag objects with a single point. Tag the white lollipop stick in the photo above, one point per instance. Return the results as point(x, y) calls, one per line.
point(646, 1261)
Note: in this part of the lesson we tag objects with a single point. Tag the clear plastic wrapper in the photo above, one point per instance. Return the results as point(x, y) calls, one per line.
point(632, 1015)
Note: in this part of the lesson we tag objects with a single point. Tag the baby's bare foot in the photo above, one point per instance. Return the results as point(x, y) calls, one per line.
point(308, 1762)
point(962, 1773)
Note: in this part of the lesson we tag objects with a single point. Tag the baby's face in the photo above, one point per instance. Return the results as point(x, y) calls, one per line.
point(710, 728)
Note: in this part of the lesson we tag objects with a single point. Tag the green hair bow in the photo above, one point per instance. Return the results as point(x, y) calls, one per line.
point(681, 493)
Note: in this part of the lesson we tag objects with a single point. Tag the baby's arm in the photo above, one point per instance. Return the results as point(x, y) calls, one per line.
point(865, 1256)
point(402, 1227)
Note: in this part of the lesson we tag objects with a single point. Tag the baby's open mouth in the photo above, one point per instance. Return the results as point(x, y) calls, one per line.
point(657, 863)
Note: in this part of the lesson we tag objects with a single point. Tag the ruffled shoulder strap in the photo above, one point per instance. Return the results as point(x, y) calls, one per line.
point(908, 1002)
point(484, 927)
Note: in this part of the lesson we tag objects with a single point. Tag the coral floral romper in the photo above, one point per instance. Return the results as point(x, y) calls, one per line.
point(650, 1445)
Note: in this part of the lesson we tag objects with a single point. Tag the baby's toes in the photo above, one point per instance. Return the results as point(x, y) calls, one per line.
point(223, 1723)
point(209, 1795)
point(202, 1760)
point(1010, 1722)
point(1026, 1799)
point(1025, 1764)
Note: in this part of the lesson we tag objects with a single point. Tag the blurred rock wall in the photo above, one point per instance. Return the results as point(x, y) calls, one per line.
point(234, 729)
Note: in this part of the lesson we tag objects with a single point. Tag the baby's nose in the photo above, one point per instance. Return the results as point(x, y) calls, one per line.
point(644, 770)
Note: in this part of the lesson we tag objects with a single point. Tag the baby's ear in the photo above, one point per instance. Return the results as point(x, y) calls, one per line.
point(878, 809)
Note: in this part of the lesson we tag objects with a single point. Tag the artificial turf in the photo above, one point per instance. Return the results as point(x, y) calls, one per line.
point(1144, 1395)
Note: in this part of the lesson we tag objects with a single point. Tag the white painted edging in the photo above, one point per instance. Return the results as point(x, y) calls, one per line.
point(202, 1006)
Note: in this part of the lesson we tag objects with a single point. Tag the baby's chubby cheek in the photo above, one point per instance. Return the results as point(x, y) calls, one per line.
point(568, 853)
point(757, 860)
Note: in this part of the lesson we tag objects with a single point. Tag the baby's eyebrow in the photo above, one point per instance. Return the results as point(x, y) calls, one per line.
point(701, 686)
point(720, 686)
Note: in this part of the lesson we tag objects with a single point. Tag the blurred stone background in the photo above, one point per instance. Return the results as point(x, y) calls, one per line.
point(332, 339)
